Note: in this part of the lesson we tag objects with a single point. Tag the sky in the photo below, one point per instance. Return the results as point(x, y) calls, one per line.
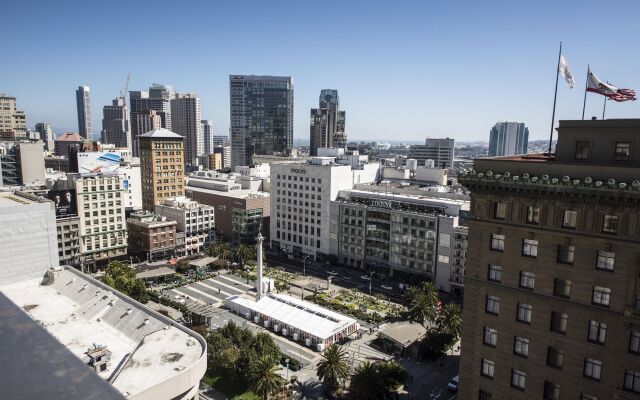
point(405, 70)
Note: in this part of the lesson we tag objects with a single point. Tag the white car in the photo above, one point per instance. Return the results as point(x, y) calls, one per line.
point(453, 384)
point(386, 287)
point(334, 273)
point(366, 277)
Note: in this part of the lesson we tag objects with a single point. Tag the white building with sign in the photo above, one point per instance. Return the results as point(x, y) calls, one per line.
point(301, 194)
point(407, 236)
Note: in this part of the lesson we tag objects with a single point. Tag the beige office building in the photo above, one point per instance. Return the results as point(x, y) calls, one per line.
point(161, 166)
point(552, 299)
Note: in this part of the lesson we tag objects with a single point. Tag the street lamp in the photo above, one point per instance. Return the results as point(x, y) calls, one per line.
point(287, 361)
point(370, 280)
point(304, 265)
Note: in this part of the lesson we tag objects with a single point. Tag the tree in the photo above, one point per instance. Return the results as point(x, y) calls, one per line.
point(266, 347)
point(246, 253)
point(365, 383)
point(220, 250)
point(436, 344)
point(422, 303)
point(449, 320)
point(264, 378)
point(333, 369)
point(122, 277)
point(307, 390)
point(392, 375)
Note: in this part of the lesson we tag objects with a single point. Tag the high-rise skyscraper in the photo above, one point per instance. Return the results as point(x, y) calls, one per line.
point(261, 116)
point(552, 294)
point(12, 121)
point(45, 132)
point(327, 123)
point(185, 120)
point(148, 120)
point(207, 134)
point(439, 150)
point(161, 166)
point(158, 98)
point(508, 139)
point(116, 128)
point(83, 105)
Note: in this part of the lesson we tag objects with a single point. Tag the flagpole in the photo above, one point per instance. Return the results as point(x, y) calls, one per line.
point(555, 96)
point(604, 104)
point(586, 85)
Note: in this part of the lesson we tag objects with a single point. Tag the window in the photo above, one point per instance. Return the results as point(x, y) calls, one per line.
point(569, 219)
point(592, 368)
point(518, 379)
point(495, 273)
point(566, 253)
point(610, 224)
point(601, 295)
point(490, 336)
point(444, 240)
point(559, 322)
point(524, 312)
point(582, 149)
point(527, 279)
point(555, 357)
point(632, 381)
point(561, 287)
point(521, 346)
point(488, 368)
point(493, 305)
point(597, 332)
point(634, 342)
point(500, 211)
point(443, 259)
point(530, 248)
point(533, 215)
point(551, 391)
point(606, 260)
point(497, 242)
point(622, 152)
point(484, 395)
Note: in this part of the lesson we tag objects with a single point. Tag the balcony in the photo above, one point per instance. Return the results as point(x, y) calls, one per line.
point(634, 313)
point(621, 394)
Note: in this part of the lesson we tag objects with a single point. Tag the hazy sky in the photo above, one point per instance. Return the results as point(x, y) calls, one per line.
point(403, 69)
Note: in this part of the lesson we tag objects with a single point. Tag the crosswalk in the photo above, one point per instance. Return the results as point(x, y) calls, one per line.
point(212, 291)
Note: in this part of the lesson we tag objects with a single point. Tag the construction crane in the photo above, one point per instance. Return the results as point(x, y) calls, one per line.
point(123, 94)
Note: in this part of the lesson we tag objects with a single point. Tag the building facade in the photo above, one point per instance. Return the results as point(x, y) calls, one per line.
point(508, 139)
point(161, 166)
point(68, 229)
point(151, 237)
point(101, 208)
point(116, 127)
point(327, 123)
point(83, 105)
point(300, 201)
point(22, 164)
point(158, 99)
point(12, 121)
point(261, 112)
point(196, 220)
point(406, 236)
point(207, 135)
point(552, 295)
point(441, 151)
point(46, 135)
point(186, 122)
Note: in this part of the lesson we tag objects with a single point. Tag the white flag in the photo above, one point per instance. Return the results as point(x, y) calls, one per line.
point(563, 70)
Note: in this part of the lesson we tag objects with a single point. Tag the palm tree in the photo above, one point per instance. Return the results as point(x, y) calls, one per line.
point(307, 390)
point(264, 378)
point(366, 383)
point(422, 302)
point(220, 250)
point(333, 369)
point(245, 253)
point(392, 375)
point(449, 319)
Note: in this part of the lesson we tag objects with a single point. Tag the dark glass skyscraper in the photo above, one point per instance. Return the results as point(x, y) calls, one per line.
point(84, 112)
point(261, 116)
point(327, 123)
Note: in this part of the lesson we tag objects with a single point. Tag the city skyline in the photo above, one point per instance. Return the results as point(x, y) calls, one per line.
point(467, 66)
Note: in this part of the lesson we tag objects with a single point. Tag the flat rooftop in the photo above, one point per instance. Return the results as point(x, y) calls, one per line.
point(81, 313)
point(238, 194)
point(299, 314)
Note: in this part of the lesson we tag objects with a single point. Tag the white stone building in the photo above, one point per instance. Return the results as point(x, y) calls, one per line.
point(194, 219)
point(301, 194)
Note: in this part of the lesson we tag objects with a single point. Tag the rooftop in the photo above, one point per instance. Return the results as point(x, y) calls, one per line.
point(147, 349)
point(70, 137)
point(405, 333)
point(299, 314)
point(161, 133)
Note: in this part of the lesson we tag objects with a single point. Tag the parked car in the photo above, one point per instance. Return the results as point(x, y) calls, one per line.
point(385, 287)
point(334, 273)
point(366, 277)
point(453, 384)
